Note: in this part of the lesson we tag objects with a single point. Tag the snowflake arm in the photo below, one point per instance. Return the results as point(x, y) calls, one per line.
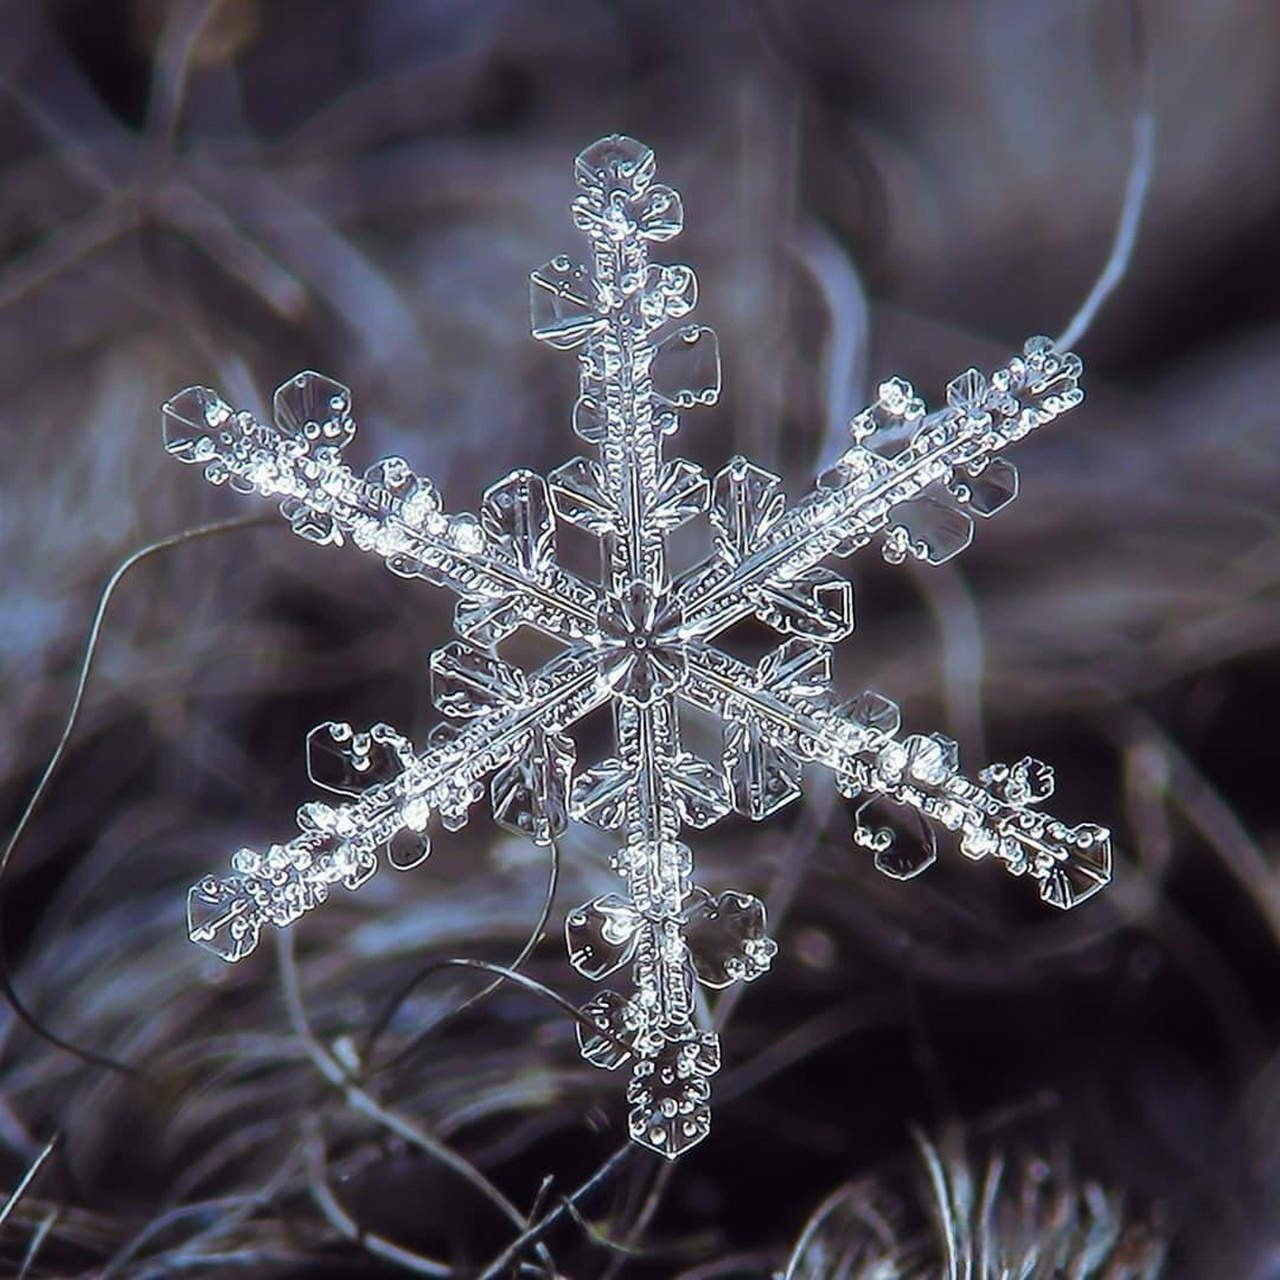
point(630, 389)
point(502, 565)
point(786, 702)
point(916, 474)
point(514, 732)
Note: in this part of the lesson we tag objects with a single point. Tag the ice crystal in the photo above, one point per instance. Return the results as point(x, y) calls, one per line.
point(642, 639)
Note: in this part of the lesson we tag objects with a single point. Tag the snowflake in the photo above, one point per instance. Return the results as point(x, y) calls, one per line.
point(641, 639)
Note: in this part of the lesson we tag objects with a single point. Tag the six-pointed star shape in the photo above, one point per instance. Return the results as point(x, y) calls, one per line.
point(641, 639)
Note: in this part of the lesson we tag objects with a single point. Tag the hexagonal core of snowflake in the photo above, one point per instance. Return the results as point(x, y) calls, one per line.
point(643, 655)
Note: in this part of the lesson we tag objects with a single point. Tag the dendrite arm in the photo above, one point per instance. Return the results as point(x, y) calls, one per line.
point(502, 564)
point(946, 465)
point(996, 816)
point(513, 734)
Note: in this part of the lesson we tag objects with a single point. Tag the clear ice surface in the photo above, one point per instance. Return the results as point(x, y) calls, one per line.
point(642, 639)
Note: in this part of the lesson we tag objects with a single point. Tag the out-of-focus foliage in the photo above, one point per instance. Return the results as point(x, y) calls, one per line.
point(224, 192)
point(1009, 1218)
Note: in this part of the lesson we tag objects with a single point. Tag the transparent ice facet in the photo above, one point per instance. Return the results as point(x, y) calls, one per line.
point(517, 517)
point(1087, 868)
point(986, 491)
point(904, 845)
point(467, 681)
point(615, 163)
point(685, 368)
point(928, 530)
point(817, 605)
point(190, 419)
point(931, 760)
point(642, 639)
point(408, 849)
point(968, 393)
point(602, 935)
point(315, 409)
point(669, 1093)
point(726, 937)
point(345, 761)
point(660, 216)
point(680, 494)
point(763, 776)
point(747, 504)
point(562, 306)
point(669, 293)
point(221, 919)
point(319, 527)
point(530, 794)
point(875, 712)
point(616, 1021)
point(580, 496)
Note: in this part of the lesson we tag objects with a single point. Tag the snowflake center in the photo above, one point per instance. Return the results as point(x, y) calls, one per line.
point(641, 650)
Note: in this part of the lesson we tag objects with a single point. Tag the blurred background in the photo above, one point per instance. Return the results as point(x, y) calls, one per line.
point(935, 1075)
